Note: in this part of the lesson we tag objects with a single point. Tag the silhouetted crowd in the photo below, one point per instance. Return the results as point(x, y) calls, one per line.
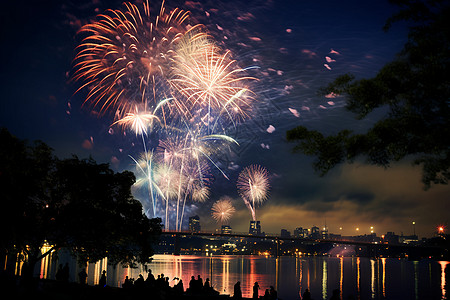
point(161, 286)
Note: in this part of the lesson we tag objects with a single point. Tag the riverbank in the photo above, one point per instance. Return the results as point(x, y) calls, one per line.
point(35, 288)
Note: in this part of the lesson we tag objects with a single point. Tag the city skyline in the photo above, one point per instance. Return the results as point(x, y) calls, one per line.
point(294, 49)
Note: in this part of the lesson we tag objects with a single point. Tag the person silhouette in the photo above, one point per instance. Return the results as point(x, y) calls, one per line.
point(207, 286)
point(179, 288)
point(306, 295)
point(193, 285)
point(150, 278)
point(255, 290)
point(266, 295)
point(237, 291)
point(102, 281)
point(82, 276)
point(199, 283)
point(273, 293)
point(127, 283)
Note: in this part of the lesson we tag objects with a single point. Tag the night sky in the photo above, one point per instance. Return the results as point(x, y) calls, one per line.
point(297, 47)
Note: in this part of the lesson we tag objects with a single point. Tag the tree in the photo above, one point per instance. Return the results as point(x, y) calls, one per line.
point(415, 89)
point(72, 203)
point(95, 214)
point(24, 185)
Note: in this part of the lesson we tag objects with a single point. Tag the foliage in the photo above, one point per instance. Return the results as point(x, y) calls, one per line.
point(72, 203)
point(415, 90)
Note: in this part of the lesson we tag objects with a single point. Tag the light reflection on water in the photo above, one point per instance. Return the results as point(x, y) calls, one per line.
point(360, 278)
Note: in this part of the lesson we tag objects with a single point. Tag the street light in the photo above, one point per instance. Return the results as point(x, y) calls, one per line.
point(414, 227)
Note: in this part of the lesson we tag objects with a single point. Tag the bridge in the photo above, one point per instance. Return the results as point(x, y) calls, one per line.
point(374, 249)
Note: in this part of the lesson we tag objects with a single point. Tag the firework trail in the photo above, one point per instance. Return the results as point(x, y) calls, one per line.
point(139, 122)
point(190, 173)
point(222, 210)
point(159, 74)
point(253, 186)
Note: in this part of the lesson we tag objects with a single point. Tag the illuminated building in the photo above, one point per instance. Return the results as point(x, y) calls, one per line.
point(299, 233)
point(315, 232)
point(194, 224)
point(226, 229)
point(255, 228)
point(324, 233)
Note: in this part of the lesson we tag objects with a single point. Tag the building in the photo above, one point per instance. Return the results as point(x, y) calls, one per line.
point(255, 228)
point(324, 233)
point(407, 239)
point(306, 232)
point(391, 238)
point(285, 233)
point(226, 229)
point(315, 233)
point(194, 224)
point(299, 233)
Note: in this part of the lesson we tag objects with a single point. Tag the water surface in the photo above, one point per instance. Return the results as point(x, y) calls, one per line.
point(360, 278)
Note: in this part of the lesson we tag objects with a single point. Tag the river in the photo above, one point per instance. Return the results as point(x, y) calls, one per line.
point(360, 278)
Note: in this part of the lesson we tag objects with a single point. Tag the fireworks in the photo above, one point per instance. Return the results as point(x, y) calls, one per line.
point(160, 76)
point(123, 57)
point(253, 186)
point(137, 121)
point(222, 210)
point(211, 82)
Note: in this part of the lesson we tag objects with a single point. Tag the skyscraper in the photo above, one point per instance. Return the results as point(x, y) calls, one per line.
point(226, 229)
point(255, 228)
point(194, 224)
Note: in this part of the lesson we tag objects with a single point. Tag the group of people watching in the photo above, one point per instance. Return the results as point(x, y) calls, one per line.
point(161, 284)
point(196, 287)
point(269, 294)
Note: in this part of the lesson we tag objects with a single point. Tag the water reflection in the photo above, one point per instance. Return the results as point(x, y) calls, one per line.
point(324, 280)
point(372, 277)
point(383, 261)
point(443, 266)
point(341, 277)
point(359, 278)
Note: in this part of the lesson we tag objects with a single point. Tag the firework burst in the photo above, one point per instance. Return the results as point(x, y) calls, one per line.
point(211, 81)
point(160, 76)
point(123, 57)
point(137, 121)
point(222, 210)
point(253, 186)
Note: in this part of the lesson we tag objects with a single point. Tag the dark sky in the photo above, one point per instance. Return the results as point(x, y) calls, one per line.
point(298, 47)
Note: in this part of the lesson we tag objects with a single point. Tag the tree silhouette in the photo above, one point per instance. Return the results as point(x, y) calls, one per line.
point(415, 89)
point(72, 203)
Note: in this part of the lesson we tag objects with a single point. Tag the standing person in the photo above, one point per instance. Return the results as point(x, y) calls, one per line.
point(207, 286)
point(192, 285)
point(102, 281)
point(306, 295)
point(255, 290)
point(150, 281)
point(336, 295)
point(237, 291)
point(273, 293)
point(199, 283)
point(82, 276)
